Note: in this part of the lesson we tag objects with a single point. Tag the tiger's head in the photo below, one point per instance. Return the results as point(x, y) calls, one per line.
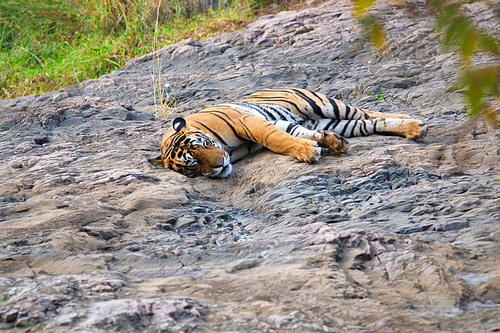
point(193, 153)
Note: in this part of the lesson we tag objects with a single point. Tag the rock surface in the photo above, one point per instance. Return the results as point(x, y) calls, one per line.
point(396, 236)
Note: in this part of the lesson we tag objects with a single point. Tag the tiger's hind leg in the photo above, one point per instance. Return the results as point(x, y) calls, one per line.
point(374, 114)
point(331, 108)
point(339, 110)
point(325, 139)
point(310, 105)
point(408, 128)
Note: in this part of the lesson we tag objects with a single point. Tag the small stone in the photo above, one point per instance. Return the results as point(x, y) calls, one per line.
point(451, 169)
point(450, 226)
point(406, 208)
point(199, 210)
point(10, 316)
point(467, 205)
point(164, 226)
point(16, 165)
point(134, 248)
point(407, 230)
point(246, 264)
point(426, 209)
point(221, 215)
point(332, 217)
point(41, 141)
point(254, 189)
point(185, 222)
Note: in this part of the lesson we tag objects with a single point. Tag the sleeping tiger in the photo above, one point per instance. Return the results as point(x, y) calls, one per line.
point(290, 121)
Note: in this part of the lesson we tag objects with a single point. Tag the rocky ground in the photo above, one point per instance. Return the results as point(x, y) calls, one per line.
point(396, 236)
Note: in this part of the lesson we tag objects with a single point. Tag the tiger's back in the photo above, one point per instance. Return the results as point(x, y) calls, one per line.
point(306, 104)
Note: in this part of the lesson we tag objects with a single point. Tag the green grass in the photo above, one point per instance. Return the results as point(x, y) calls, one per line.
point(49, 44)
point(379, 96)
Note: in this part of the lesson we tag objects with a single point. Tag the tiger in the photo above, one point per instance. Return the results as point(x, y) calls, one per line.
point(290, 121)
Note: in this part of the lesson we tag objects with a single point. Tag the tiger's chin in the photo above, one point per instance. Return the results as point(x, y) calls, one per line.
point(224, 171)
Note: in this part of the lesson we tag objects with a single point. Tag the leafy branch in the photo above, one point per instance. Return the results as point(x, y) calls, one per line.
point(479, 84)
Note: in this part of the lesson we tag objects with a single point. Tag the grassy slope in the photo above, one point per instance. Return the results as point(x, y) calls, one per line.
point(48, 44)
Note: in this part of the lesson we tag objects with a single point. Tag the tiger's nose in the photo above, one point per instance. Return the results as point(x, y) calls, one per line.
point(221, 163)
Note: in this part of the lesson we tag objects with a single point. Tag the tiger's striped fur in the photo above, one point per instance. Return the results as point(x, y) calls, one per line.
point(290, 121)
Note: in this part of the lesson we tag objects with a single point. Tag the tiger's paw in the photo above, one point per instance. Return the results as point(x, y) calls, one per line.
point(414, 129)
point(308, 151)
point(333, 141)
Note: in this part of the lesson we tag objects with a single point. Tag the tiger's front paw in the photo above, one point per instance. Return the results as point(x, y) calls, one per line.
point(307, 151)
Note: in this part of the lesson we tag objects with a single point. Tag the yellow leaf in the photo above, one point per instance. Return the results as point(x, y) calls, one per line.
point(468, 44)
point(377, 36)
point(361, 7)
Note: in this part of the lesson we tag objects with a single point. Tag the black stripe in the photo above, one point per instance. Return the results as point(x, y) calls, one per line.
point(315, 95)
point(271, 115)
point(260, 109)
point(252, 106)
point(347, 111)
point(279, 99)
point(335, 107)
point(363, 114)
point(354, 127)
point(317, 110)
point(290, 128)
point(249, 133)
point(365, 132)
point(177, 140)
point(213, 133)
point(354, 113)
point(228, 124)
point(267, 136)
point(274, 107)
point(215, 109)
point(328, 125)
point(343, 130)
point(320, 99)
point(337, 122)
point(375, 126)
point(358, 110)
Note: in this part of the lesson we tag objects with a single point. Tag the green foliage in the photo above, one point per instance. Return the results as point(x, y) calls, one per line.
point(48, 44)
point(458, 31)
point(261, 4)
point(478, 84)
point(374, 29)
point(372, 26)
point(379, 96)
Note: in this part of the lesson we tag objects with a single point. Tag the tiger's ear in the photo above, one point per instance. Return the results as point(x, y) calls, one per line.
point(179, 124)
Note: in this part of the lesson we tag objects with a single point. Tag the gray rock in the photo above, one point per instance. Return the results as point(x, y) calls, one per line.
point(95, 238)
